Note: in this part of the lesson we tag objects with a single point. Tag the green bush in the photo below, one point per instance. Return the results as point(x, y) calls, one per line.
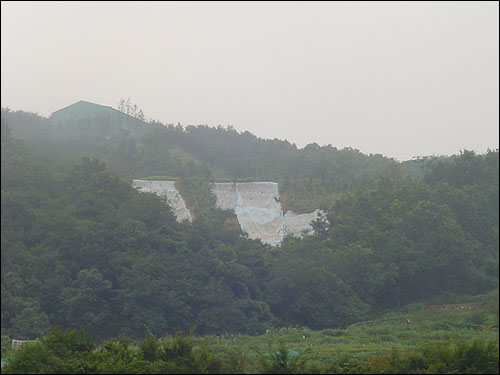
point(477, 357)
point(280, 361)
point(334, 332)
point(6, 345)
point(414, 307)
point(476, 317)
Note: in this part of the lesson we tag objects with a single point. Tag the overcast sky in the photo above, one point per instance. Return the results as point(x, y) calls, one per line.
point(400, 79)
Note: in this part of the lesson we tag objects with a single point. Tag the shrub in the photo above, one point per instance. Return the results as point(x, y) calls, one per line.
point(334, 332)
point(476, 317)
point(280, 362)
point(414, 307)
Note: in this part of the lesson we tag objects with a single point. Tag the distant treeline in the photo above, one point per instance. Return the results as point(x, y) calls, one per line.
point(211, 152)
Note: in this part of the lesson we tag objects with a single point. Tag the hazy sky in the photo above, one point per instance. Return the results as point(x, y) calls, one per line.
point(401, 79)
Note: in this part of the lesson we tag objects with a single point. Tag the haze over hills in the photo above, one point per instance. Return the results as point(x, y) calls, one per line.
point(401, 79)
point(200, 144)
point(343, 218)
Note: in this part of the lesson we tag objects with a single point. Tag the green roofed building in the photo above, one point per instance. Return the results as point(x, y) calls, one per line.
point(94, 120)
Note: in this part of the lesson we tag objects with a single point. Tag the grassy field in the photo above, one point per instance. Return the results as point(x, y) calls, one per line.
point(391, 343)
point(440, 324)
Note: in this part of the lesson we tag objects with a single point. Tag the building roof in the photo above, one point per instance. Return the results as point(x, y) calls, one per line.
point(83, 109)
point(99, 119)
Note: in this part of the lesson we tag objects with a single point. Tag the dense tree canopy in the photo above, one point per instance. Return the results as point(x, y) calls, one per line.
point(81, 247)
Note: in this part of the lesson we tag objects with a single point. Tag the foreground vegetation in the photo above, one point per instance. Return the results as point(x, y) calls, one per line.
point(454, 338)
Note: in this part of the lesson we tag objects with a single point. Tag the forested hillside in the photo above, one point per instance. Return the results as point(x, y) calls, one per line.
point(81, 247)
point(212, 152)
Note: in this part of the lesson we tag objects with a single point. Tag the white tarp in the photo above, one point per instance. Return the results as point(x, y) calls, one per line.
point(261, 223)
point(166, 189)
point(16, 344)
point(258, 194)
point(296, 224)
point(256, 205)
point(226, 195)
point(259, 212)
